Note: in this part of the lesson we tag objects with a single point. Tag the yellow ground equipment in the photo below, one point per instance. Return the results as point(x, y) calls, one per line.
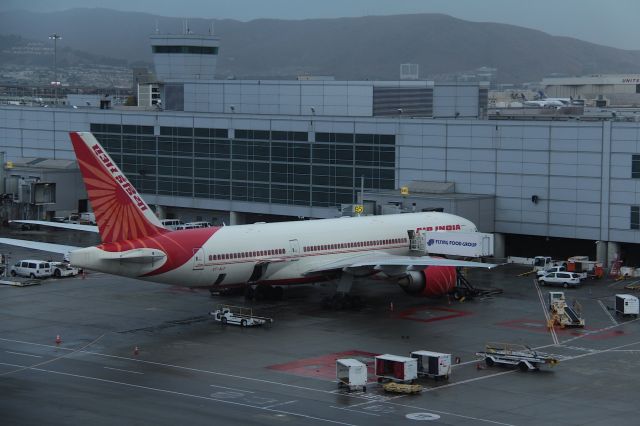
point(402, 388)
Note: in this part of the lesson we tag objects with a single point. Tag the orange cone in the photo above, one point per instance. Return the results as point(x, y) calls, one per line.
point(136, 351)
point(58, 340)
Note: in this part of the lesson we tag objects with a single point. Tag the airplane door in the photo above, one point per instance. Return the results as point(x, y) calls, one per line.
point(198, 259)
point(295, 247)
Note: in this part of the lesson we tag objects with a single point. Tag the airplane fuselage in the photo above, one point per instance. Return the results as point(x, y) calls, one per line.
point(277, 253)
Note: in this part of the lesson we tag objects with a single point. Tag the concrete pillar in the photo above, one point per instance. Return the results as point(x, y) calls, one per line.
point(499, 250)
point(613, 252)
point(236, 218)
point(601, 252)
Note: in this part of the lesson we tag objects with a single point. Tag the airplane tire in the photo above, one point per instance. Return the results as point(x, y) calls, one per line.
point(278, 293)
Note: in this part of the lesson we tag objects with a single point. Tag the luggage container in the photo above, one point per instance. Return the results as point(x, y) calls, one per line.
point(396, 368)
point(433, 364)
point(351, 374)
point(627, 304)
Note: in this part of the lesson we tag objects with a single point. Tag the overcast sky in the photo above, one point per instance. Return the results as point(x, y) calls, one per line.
point(613, 23)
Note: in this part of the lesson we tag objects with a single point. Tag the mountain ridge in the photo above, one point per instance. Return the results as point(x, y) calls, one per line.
point(371, 47)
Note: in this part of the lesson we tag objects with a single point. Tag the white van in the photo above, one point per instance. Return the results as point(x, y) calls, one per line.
point(32, 269)
point(193, 225)
point(171, 223)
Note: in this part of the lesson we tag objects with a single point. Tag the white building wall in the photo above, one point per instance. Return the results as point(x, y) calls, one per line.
point(580, 172)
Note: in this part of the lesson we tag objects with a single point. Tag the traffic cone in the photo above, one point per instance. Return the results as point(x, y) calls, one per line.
point(58, 340)
point(478, 366)
point(136, 351)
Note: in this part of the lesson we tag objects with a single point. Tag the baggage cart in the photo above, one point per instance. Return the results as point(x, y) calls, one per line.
point(351, 374)
point(523, 357)
point(396, 368)
point(626, 304)
point(433, 364)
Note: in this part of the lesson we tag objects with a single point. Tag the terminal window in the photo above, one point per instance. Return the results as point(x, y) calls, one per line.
point(635, 166)
point(635, 217)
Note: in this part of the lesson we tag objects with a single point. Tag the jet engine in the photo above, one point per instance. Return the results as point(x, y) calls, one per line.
point(432, 281)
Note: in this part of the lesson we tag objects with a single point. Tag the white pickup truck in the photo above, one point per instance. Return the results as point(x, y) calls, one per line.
point(238, 315)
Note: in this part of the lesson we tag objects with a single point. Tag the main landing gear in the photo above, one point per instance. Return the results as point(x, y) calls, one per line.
point(342, 299)
point(263, 292)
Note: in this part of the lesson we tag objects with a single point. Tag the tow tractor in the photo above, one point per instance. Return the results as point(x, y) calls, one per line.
point(238, 315)
point(521, 356)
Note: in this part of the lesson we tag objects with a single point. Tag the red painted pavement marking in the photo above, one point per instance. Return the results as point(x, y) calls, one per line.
point(324, 367)
point(425, 314)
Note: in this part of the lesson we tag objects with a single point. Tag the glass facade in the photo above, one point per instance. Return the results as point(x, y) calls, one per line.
point(256, 165)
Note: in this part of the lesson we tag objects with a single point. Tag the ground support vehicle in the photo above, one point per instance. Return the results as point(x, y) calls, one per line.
point(523, 357)
point(564, 279)
point(627, 304)
point(563, 314)
point(31, 269)
point(351, 374)
point(433, 364)
point(63, 269)
point(396, 368)
point(238, 315)
point(401, 388)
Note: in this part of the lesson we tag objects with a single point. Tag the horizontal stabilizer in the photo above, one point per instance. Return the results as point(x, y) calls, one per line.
point(53, 248)
point(142, 255)
point(72, 226)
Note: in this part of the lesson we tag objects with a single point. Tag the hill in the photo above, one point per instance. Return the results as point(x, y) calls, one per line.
point(348, 48)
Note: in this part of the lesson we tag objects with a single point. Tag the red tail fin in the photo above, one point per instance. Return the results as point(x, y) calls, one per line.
point(121, 214)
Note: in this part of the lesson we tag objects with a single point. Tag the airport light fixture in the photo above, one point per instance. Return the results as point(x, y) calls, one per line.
point(55, 83)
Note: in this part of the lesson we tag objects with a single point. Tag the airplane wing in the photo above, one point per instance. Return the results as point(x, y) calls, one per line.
point(72, 226)
point(386, 261)
point(53, 248)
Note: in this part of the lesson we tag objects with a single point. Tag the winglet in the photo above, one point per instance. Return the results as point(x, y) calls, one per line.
point(121, 213)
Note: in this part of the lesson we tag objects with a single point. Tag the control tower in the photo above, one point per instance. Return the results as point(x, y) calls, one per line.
point(184, 57)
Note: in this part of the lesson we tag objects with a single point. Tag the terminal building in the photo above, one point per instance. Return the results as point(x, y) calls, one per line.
point(600, 90)
point(235, 151)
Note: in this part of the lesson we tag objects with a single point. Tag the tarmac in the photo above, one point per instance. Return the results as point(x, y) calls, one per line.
point(133, 352)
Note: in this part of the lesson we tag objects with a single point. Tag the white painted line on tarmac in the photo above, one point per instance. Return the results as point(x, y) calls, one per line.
point(131, 385)
point(281, 403)
point(545, 310)
point(233, 389)
point(245, 378)
point(125, 371)
point(475, 379)
point(606, 311)
point(354, 411)
point(23, 354)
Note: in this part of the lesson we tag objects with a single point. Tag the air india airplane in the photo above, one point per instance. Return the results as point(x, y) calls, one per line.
point(135, 244)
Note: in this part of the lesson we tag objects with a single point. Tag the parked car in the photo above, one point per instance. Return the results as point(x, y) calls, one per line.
point(544, 272)
point(63, 269)
point(565, 279)
point(32, 269)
